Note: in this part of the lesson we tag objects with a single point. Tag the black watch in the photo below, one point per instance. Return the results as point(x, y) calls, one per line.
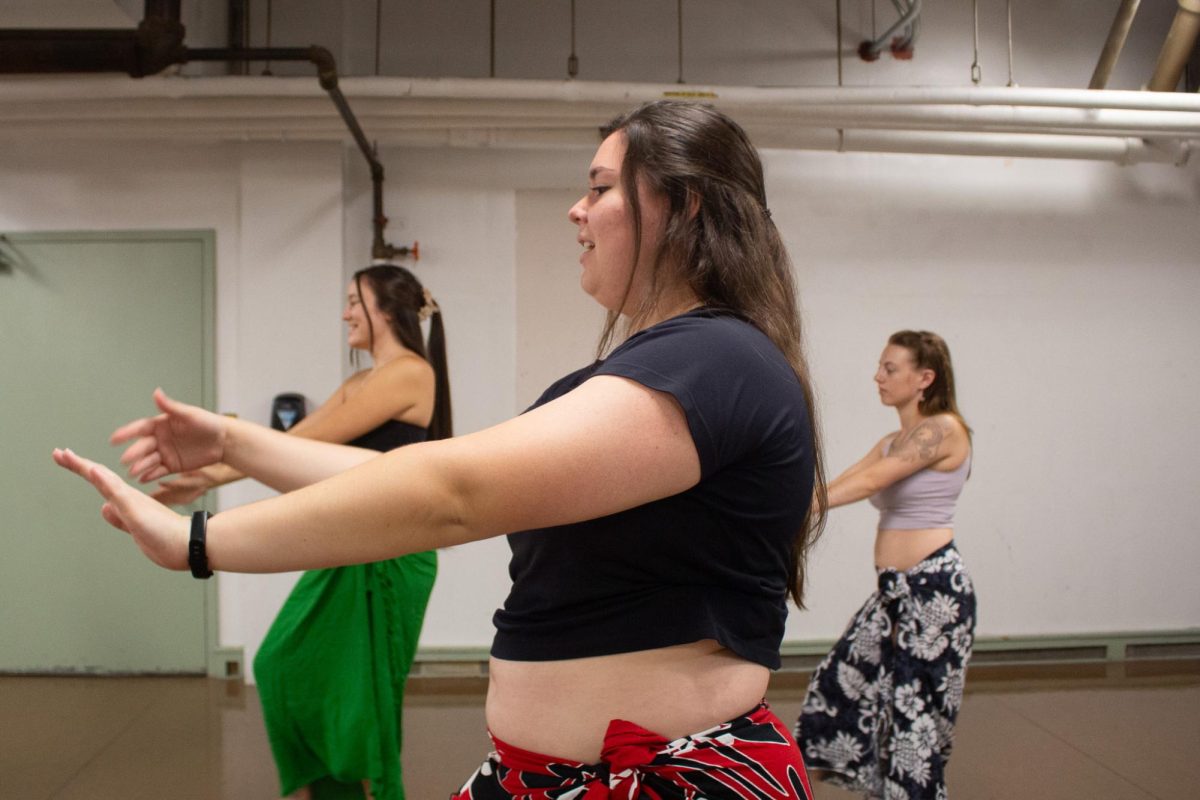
point(197, 554)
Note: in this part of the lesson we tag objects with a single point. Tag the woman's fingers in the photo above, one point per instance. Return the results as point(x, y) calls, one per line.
point(103, 479)
point(139, 449)
point(180, 438)
point(136, 429)
point(181, 491)
point(144, 468)
point(156, 473)
point(166, 404)
point(160, 533)
point(83, 467)
point(109, 484)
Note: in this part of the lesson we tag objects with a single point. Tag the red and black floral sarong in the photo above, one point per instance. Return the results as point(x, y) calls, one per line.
point(752, 757)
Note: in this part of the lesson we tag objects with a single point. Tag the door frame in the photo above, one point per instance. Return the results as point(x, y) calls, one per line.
point(222, 662)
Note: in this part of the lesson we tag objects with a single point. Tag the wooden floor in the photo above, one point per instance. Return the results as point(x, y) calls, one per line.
point(1118, 732)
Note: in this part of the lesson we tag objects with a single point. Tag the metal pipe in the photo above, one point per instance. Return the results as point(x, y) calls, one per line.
point(1116, 41)
point(238, 30)
point(1126, 150)
point(158, 43)
point(838, 13)
point(1177, 48)
point(567, 95)
point(328, 78)
point(679, 37)
point(34, 50)
point(734, 97)
point(512, 113)
point(146, 50)
point(1108, 122)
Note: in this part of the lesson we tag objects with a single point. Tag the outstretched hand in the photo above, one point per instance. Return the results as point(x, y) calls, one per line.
point(181, 438)
point(160, 533)
point(183, 490)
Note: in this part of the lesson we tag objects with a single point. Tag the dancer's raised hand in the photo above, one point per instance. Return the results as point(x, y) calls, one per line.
point(160, 533)
point(185, 489)
point(182, 437)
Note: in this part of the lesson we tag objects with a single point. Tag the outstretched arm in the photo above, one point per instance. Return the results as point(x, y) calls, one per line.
point(184, 438)
point(927, 444)
point(368, 399)
point(607, 446)
point(358, 406)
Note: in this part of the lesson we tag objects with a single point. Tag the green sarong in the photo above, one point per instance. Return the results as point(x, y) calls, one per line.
point(331, 675)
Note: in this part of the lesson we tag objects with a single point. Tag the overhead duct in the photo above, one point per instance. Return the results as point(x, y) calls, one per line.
point(1122, 126)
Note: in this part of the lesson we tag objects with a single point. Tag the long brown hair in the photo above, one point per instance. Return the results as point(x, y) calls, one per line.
point(399, 296)
point(719, 240)
point(930, 351)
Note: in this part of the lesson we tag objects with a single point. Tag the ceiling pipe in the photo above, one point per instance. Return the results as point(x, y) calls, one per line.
point(156, 44)
point(1122, 150)
point(568, 94)
point(150, 48)
point(226, 106)
point(1177, 48)
point(1114, 44)
point(512, 113)
point(471, 98)
point(327, 76)
point(578, 92)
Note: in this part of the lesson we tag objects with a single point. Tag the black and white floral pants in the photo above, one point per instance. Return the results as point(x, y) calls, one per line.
point(880, 710)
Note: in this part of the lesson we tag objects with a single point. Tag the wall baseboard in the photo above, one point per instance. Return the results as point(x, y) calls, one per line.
point(1080, 648)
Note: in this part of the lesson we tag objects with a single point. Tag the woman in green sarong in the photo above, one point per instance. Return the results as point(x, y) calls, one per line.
point(332, 669)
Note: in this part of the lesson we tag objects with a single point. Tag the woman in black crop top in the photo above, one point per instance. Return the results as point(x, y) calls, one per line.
point(650, 498)
point(879, 715)
point(314, 649)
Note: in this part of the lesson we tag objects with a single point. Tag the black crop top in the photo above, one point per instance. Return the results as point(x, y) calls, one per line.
point(391, 434)
point(709, 563)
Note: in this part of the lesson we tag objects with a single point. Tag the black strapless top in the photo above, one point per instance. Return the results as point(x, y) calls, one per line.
point(390, 435)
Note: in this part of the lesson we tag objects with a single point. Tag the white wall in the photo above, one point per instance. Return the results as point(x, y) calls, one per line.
point(279, 327)
point(1066, 290)
point(1067, 294)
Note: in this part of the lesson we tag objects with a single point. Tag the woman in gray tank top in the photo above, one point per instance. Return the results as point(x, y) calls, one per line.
point(880, 710)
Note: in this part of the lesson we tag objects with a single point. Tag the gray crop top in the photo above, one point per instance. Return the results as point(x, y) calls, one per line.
point(925, 499)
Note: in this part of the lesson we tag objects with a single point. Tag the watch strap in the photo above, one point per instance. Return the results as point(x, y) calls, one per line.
point(197, 552)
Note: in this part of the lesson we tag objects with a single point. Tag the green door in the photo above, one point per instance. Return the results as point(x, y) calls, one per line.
point(90, 323)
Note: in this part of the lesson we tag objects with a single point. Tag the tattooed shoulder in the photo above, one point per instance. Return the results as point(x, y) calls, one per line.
point(923, 442)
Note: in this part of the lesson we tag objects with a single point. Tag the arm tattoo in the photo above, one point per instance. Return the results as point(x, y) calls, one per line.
point(921, 443)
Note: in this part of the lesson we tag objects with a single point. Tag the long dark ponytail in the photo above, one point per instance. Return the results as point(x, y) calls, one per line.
point(404, 302)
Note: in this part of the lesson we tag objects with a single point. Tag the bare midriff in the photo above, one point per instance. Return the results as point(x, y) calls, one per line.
point(903, 549)
point(562, 708)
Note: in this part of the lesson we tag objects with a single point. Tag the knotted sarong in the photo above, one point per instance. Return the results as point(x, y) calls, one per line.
point(752, 756)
